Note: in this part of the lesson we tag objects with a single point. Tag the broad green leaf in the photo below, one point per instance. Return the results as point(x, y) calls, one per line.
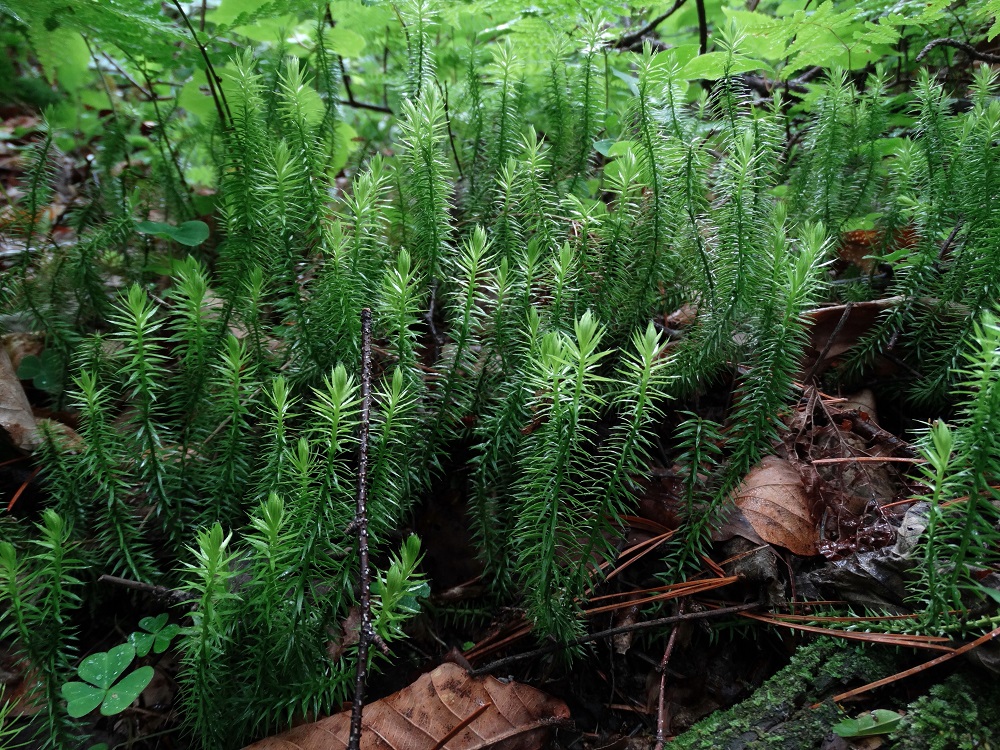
point(121, 695)
point(195, 98)
point(630, 80)
point(143, 642)
point(344, 42)
point(879, 721)
point(153, 624)
point(190, 233)
point(621, 147)
point(104, 668)
point(680, 55)
point(712, 66)
point(270, 29)
point(30, 367)
point(602, 147)
point(164, 637)
point(346, 145)
point(81, 698)
point(229, 10)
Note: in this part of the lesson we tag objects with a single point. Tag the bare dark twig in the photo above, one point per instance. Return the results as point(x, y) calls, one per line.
point(451, 134)
point(829, 342)
point(661, 713)
point(364, 105)
point(968, 49)
point(659, 622)
point(462, 725)
point(160, 592)
point(702, 27)
point(360, 524)
point(214, 81)
point(627, 41)
point(351, 101)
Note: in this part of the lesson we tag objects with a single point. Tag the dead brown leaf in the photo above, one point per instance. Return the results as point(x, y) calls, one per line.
point(426, 715)
point(774, 501)
point(16, 418)
point(835, 330)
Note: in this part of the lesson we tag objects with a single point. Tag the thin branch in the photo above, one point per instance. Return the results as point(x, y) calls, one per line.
point(661, 712)
point(629, 40)
point(915, 670)
point(214, 81)
point(829, 342)
point(702, 27)
point(351, 101)
point(160, 592)
point(451, 133)
point(659, 622)
point(463, 724)
point(968, 49)
point(364, 105)
point(360, 523)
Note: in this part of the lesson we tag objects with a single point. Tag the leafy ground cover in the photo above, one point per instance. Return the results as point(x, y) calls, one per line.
point(618, 353)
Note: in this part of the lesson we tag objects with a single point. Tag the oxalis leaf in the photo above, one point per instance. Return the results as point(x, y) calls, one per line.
point(190, 233)
point(81, 698)
point(157, 636)
point(121, 695)
point(101, 670)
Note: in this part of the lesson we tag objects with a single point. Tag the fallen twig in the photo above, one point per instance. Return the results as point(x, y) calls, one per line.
point(661, 713)
point(160, 592)
point(868, 460)
point(926, 665)
point(360, 524)
point(627, 41)
point(659, 622)
point(932, 643)
point(968, 49)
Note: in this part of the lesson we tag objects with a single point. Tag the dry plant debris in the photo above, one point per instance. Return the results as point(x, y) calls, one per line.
point(445, 709)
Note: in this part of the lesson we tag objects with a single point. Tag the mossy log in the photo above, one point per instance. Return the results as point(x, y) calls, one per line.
point(961, 712)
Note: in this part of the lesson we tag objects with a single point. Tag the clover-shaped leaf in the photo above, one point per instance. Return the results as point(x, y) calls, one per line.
point(121, 695)
point(104, 668)
point(157, 636)
point(100, 672)
point(45, 370)
point(81, 698)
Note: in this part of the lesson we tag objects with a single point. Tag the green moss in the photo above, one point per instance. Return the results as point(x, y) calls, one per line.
point(960, 713)
point(779, 713)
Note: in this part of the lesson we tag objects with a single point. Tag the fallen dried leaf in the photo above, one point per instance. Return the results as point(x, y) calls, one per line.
point(774, 501)
point(426, 715)
point(16, 418)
